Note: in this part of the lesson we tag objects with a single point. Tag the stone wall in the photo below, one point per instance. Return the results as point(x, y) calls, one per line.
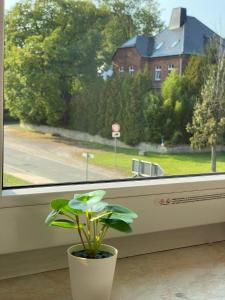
point(74, 135)
point(142, 147)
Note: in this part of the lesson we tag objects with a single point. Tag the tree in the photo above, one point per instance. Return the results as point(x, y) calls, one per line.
point(195, 74)
point(48, 46)
point(208, 123)
point(178, 105)
point(154, 118)
point(135, 90)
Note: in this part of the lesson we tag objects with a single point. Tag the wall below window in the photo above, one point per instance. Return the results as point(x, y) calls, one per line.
point(41, 260)
point(173, 212)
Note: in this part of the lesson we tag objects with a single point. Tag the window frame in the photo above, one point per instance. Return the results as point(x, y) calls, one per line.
point(131, 70)
point(170, 68)
point(1, 91)
point(41, 195)
point(121, 70)
point(158, 70)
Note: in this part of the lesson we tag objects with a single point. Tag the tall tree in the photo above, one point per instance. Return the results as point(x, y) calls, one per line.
point(135, 90)
point(178, 107)
point(208, 124)
point(48, 45)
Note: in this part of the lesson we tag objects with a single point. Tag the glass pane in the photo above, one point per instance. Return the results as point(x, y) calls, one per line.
point(105, 90)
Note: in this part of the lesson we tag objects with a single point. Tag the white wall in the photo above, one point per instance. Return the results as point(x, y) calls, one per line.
point(22, 212)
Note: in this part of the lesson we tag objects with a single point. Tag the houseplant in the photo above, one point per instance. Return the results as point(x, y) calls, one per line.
point(91, 263)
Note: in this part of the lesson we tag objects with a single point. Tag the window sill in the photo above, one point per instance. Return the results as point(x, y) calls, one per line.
point(30, 196)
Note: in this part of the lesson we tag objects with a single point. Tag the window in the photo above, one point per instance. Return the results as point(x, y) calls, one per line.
point(58, 112)
point(131, 70)
point(157, 73)
point(121, 70)
point(170, 68)
point(159, 45)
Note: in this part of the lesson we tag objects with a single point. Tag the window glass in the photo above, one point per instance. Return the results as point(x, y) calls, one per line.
point(131, 70)
point(121, 70)
point(170, 68)
point(69, 115)
point(158, 73)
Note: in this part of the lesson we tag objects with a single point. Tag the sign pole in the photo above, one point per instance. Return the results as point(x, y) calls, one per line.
point(115, 150)
point(87, 156)
point(87, 161)
point(115, 135)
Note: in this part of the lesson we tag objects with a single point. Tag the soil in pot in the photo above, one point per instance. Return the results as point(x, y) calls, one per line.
point(99, 254)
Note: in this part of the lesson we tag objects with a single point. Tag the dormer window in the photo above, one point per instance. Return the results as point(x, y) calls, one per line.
point(170, 68)
point(158, 46)
point(131, 70)
point(157, 73)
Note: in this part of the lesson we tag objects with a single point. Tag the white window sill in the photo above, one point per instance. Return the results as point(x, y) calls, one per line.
point(42, 195)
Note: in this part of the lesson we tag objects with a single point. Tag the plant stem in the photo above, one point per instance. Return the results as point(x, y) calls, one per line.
point(79, 231)
point(88, 225)
point(86, 236)
point(102, 234)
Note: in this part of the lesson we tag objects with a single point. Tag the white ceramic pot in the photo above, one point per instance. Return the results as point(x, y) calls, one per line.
point(91, 279)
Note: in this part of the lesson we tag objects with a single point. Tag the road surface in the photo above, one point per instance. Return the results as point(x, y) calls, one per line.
point(43, 159)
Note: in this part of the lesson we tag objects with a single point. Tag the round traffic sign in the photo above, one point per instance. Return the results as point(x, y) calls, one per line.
point(115, 127)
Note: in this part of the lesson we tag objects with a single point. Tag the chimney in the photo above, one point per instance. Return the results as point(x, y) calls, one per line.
point(178, 18)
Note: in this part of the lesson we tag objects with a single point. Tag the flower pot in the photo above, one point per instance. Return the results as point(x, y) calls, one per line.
point(91, 279)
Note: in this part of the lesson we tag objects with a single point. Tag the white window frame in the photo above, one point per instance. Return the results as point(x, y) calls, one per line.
point(121, 70)
point(131, 70)
point(170, 68)
point(158, 70)
point(15, 201)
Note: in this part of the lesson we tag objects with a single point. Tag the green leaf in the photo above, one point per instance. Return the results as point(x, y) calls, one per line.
point(91, 198)
point(117, 224)
point(70, 210)
point(98, 207)
point(57, 204)
point(93, 204)
point(64, 224)
point(78, 205)
point(81, 197)
point(122, 210)
point(101, 215)
point(122, 217)
point(51, 216)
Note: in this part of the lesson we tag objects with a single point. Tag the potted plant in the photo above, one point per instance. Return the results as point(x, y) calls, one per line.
point(91, 263)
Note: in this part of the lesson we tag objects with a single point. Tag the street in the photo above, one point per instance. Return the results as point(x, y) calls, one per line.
point(43, 159)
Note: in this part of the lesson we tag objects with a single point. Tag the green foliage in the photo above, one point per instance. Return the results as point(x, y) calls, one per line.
point(178, 101)
point(208, 123)
point(137, 88)
point(128, 18)
point(196, 74)
point(59, 47)
point(53, 54)
point(154, 116)
point(99, 216)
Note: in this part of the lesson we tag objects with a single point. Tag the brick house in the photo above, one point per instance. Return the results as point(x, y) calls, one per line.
point(169, 49)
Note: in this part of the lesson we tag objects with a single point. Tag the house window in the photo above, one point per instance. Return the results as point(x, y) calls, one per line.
point(131, 70)
point(170, 68)
point(158, 73)
point(121, 70)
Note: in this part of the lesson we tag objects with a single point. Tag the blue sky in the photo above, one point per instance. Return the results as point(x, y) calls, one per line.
point(210, 12)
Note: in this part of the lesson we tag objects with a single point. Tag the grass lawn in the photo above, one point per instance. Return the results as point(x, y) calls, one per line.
point(173, 164)
point(10, 180)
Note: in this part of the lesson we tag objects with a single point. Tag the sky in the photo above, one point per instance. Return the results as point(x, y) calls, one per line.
point(210, 12)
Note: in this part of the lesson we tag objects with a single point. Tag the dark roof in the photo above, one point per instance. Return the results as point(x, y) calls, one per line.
point(143, 44)
point(189, 38)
